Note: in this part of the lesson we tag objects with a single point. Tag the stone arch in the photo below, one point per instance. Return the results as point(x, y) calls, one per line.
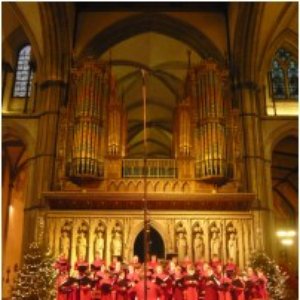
point(155, 22)
point(140, 226)
point(121, 187)
point(139, 186)
point(186, 187)
point(156, 186)
point(167, 187)
point(286, 39)
point(176, 186)
point(278, 133)
point(112, 187)
point(15, 129)
point(131, 186)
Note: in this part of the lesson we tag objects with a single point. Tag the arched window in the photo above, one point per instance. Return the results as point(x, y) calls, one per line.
point(24, 74)
point(284, 76)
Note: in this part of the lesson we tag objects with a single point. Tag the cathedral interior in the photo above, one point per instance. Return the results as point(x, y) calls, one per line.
point(190, 108)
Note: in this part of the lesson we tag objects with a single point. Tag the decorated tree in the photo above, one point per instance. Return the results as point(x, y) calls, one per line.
point(277, 287)
point(36, 279)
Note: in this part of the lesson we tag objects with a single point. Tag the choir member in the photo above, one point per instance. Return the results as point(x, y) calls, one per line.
point(230, 267)
point(81, 265)
point(135, 262)
point(63, 286)
point(185, 264)
point(163, 280)
point(191, 283)
point(238, 287)
point(224, 290)
point(153, 291)
point(85, 287)
point(211, 285)
point(122, 286)
point(97, 263)
point(251, 288)
point(215, 262)
point(152, 264)
point(133, 279)
point(62, 265)
point(178, 284)
point(262, 285)
point(106, 286)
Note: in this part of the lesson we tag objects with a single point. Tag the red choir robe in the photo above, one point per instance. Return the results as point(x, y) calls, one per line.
point(62, 289)
point(62, 265)
point(224, 291)
point(215, 263)
point(152, 265)
point(230, 268)
point(85, 290)
point(122, 288)
point(211, 289)
point(165, 283)
point(153, 291)
point(133, 279)
point(262, 288)
point(191, 283)
point(238, 289)
point(178, 287)
point(251, 288)
point(106, 286)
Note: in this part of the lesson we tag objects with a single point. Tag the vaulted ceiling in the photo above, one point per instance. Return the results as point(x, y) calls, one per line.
point(165, 61)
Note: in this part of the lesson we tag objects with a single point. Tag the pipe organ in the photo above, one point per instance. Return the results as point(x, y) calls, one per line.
point(116, 118)
point(210, 118)
point(85, 116)
point(93, 129)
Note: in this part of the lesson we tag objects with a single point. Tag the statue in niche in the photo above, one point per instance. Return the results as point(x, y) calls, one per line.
point(65, 244)
point(81, 245)
point(116, 242)
point(99, 244)
point(232, 246)
point(215, 242)
point(198, 247)
point(181, 243)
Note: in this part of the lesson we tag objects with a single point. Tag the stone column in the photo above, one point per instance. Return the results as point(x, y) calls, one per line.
point(254, 161)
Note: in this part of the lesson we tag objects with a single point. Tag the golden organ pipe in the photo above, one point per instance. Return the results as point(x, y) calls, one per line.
point(211, 158)
point(86, 120)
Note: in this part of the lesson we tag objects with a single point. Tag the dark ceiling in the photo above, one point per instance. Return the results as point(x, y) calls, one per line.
point(152, 6)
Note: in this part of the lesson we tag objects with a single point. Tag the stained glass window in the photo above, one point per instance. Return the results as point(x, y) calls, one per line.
point(293, 79)
point(284, 76)
point(24, 74)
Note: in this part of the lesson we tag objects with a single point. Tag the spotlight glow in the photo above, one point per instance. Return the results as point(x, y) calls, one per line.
point(287, 242)
point(284, 233)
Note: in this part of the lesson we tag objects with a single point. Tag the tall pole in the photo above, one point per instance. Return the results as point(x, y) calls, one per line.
point(145, 185)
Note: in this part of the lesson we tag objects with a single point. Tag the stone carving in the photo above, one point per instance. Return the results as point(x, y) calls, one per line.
point(65, 244)
point(116, 242)
point(198, 243)
point(99, 244)
point(81, 245)
point(232, 243)
point(181, 242)
point(215, 241)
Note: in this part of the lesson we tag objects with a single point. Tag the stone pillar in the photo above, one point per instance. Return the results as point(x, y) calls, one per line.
point(254, 161)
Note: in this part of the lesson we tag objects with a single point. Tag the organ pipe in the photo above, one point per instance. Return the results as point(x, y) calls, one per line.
point(86, 120)
point(209, 101)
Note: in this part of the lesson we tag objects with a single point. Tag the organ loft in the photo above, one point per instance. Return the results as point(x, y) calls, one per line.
point(191, 109)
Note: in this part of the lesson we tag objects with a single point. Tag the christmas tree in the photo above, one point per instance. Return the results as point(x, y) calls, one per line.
point(35, 280)
point(276, 277)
